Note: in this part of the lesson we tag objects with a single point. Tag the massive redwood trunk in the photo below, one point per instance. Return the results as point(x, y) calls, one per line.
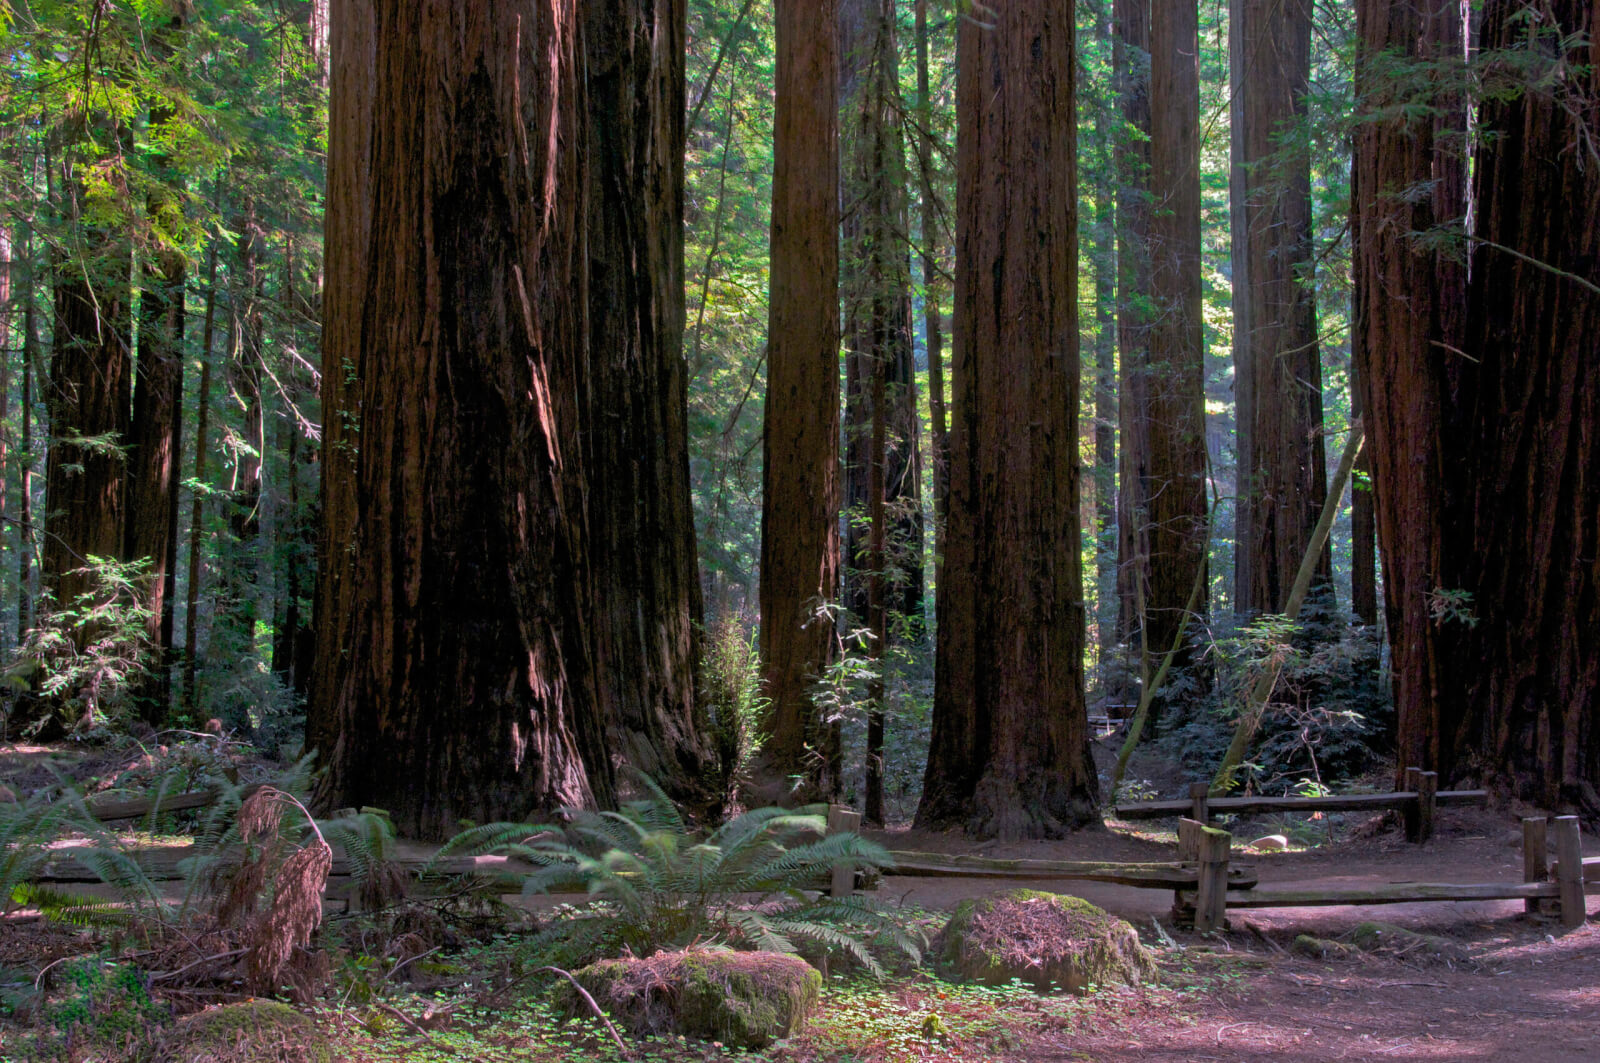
point(800, 437)
point(1405, 308)
point(455, 667)
point(1010, 755)
point(1175, 477)
point(1282, 468)
point(647, 587)
point(1531, 399)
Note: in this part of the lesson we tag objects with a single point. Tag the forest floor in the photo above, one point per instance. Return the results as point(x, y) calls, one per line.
point(1509, 987)
point(1494, 984)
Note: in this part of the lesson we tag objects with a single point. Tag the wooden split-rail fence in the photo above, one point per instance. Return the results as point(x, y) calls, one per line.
point(1206, 882)
point(1205, 879)
point(1418, 803)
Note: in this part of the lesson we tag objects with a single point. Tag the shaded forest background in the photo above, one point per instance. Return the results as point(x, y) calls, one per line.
point(787, 526)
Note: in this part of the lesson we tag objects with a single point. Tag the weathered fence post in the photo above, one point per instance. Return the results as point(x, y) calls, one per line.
point(1211, 894)
point(1198, 798)
point(1535, 860)
point(1569, 870)
point(842, 820)
point(1412, 813)
point(1189, 833)
point(1427, 803)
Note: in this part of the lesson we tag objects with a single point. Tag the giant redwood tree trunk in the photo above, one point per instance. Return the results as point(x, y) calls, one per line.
point(454, 666)
point(800, 437)
point(1282, 468)
point(1532, 400)
point(1010, 755)
point(642, 549)
point(1404, 314)
point(1175, 480)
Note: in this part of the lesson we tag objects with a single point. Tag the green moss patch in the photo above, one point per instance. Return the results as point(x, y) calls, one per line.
point(256, 1031)
point(742, 999)
point(1050, 941)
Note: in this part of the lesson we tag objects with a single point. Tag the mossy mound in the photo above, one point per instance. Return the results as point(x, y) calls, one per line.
point(1400, 943)
point(1316, 948)
point(743, 999)
point(1049, 941)
point(256, 1031)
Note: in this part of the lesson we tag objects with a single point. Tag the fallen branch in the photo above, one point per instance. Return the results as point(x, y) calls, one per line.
point(1256, 705)
point(162, 976)
point(594, 1007)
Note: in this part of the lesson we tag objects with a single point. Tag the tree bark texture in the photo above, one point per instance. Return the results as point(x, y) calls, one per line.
point(1282, 467)
point(1175, 479)
point(647, 604)
point(347, 233)
point(454, 666)
point(90, 380)
point(1404, 313)
point(1131, 67)
point(1010, 755)
point(1363, 525)
point(1532, 401)
point(800, 436)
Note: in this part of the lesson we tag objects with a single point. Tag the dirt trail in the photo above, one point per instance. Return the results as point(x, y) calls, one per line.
point(1528, 991)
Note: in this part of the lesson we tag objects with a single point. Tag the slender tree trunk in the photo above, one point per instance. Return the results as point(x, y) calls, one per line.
point(1175, 481)
point(932, 285)
point(155, 443)
point(1404, 314)
point(239, 588)
point(25, 541)
point(1282, 466)
point(1363, 526)
point(1532, 398)
point(800, 483)
point(647, 603)
point(1131, 67)
point(882, 466)
point(191, 624)
point(1010, 754)
point(291, 639)
point(1103, 234)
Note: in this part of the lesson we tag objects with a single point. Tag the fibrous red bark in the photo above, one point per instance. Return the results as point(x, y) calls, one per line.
point(1009, 755)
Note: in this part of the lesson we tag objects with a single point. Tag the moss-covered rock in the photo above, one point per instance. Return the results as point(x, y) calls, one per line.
point(743, 999)
point(255, 1031)
point(1047, 940)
